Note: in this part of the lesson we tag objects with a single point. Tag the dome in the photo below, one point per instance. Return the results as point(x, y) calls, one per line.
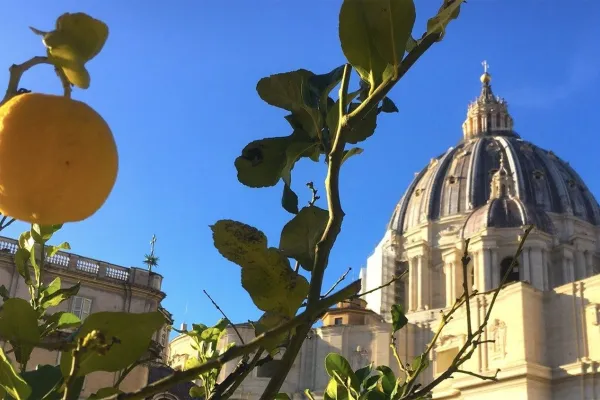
point(506, 213)
point(461, 180)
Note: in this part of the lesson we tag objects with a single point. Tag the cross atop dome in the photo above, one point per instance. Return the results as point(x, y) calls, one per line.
point(488, 114)
point(486, 77)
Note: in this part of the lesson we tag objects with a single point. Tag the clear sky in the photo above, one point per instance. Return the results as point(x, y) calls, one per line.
point(176, 82)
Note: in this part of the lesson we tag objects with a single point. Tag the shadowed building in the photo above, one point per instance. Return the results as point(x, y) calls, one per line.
point(104, 287)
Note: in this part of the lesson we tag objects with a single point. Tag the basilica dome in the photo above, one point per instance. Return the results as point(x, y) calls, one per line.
point(495, 178)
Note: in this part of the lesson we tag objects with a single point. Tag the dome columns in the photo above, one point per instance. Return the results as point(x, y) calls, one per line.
point(419, 279)
point(453, 274)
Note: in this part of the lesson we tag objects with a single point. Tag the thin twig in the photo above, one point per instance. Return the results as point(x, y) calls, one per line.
point(465, 268)
point(16, 72)
point(388, 283)
point(67, 87)
point(224, 316)
point(340, 279)
point(227, 388)
point(484, 377)
point(237, 351)
point(314, 191)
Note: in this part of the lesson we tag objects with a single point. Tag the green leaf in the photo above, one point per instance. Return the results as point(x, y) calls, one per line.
point(19, 325)
point(60, 320)
point(449, 10)
point(44, 382)
point(300, 235)
point(323, 84)
point(291, 91)
point(196, 392)
point(64, 57)
point(411, 44)
point(264, 162)
point(133, 332)
point(388, 379)
point(273, 285)
point(349, 153)
point(371, 382)
point(364, 128)
point(289, 200)
point(337, 364)
point(266, 273)
point(4, 293)
point(238, 242)
point(420, 363)
point(335, 391)
point(77, 39)
point(26, 241)
point(52, 250)
point(42, 233)
point(104, 393)
point(399, 319)
point(86, 35)
point(282, 396)
point(22, 257)
point(375, 395)
point(363, 373)
point(10, 381)
point(374, 34)
point(270, 320)
point(53, 295)
point(388, 106)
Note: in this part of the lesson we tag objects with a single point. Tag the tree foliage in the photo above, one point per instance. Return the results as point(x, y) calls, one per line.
point(284, 281)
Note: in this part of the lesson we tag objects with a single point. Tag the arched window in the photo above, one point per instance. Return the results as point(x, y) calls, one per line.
point(513, 275)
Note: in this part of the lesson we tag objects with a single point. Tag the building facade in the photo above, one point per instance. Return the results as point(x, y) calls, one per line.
point(104, 287)
point(544, 331)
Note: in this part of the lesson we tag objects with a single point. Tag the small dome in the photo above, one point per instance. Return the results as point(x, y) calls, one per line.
point(485, 78)
point(506, 212)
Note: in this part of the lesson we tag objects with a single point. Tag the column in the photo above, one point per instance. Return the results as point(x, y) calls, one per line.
point(570, 270)
point(412, 286)
point(487, 270)
point(423, 283)
point(536, 267)
point(495, 269)
point(580, 265)
point(589, 263)
point(450, 288)
point(545, 270)
point(525, 274)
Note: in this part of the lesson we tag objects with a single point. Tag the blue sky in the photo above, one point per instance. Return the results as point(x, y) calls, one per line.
point(177, 85)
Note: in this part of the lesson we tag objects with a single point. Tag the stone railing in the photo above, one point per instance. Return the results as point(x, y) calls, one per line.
point(100, 269)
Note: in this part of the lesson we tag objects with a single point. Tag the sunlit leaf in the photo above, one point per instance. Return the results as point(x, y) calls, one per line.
point(300, 235)
point(352, 152)
point(238, 242)
point(399, 319)
point(19, 326)
point(337, 364)
point(273, 285)
point(10, 381)
point(132, 332)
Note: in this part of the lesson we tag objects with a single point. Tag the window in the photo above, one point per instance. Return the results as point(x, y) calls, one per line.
point(81, 307)
point(444, 359)
point(513, 275)
point(338, 321)
point(268, 369)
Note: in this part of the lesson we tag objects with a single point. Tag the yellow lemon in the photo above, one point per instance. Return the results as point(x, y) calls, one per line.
point(58, 159)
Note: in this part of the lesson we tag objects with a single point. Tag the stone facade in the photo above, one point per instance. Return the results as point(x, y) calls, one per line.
point(104, 287)
point(544, 330)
